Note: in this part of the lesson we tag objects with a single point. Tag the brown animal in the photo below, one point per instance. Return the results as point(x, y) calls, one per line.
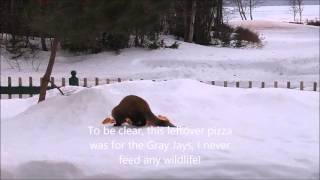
point(138, 112)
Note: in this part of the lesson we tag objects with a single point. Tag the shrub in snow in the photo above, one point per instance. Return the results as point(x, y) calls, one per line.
point(175, 45)
point(222, 34)
point(115, 41)
point(245, 34)
point(313, 22)
point(14, 49)
point(227, 36)
point(84, 46)
point(156, 44)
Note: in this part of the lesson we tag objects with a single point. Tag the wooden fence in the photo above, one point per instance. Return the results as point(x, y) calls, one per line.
point(18, 90)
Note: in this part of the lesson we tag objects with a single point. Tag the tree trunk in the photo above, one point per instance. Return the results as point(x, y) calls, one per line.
point(300, 9)
point(239, 9)
point(242, 10)
point(250, 8)
point(46, 77)
point(186, 19)
point(219, 16)
point(191, 23)
point(300, 14)
point(43, 44)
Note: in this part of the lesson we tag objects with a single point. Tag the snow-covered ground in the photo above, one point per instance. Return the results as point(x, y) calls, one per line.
point(291, 52)
point(243, 133)
point(267, 133)
point(277, 13)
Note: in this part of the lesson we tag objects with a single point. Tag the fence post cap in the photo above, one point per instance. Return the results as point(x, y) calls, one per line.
point(73, 73)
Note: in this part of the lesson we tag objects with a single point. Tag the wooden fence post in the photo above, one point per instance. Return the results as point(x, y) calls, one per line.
point(301, 85)
point(85, 82)
point(250, 84)
point(9, 85)
point(263, 84)
point(276, 84)
point(237, 84)
point(20, 84)
point(225, 84)
point(288, 84)
point(97, 81)
point(119, 79)
point(108, 81)
point(63, 82)
point(30, 85)
point(213, 82)
point(315, 86)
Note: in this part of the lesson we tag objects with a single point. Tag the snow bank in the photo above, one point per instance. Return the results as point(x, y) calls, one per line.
point(274, 133)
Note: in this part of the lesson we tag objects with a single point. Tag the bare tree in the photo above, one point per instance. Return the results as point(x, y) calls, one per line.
point(47, 75)
point(300, 9)
point(294, 9)
point(190, 14)
point(219, 13)
point(252, 4)
point(246, 7)
point(241, 9)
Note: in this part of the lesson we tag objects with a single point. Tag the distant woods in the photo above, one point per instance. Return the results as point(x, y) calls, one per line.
point(93, 26)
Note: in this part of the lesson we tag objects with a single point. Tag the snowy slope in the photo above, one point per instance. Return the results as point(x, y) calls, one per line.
point(274, 133)
point(291, 52)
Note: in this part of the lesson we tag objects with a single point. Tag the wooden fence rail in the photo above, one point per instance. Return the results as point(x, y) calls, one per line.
point(30, 90)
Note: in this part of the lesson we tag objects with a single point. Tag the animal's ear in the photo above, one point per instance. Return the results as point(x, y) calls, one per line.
point(128, 120)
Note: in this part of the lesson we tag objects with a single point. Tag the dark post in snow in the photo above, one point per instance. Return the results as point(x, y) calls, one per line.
point(73, 80)
point(30, 85)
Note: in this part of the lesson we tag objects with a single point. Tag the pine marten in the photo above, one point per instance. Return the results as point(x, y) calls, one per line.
point(138, 111)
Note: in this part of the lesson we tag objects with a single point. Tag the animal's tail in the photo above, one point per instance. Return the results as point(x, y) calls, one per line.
point(161, 121)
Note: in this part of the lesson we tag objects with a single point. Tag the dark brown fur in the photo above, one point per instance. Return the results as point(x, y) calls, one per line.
point(138, 111)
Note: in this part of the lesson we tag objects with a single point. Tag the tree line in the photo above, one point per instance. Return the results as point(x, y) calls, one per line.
point(92, 26)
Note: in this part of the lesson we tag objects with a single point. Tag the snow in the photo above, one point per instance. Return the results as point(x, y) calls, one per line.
point(267, 133)
point(290, 52)
point(274, 133)
point(278, 13)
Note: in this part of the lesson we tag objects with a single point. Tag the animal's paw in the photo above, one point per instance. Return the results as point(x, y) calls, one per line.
point(109, 120)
